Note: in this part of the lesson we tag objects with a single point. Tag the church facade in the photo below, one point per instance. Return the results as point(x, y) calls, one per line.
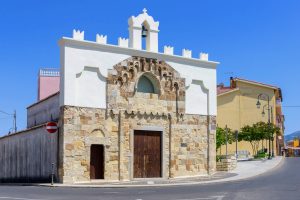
point(128, 113)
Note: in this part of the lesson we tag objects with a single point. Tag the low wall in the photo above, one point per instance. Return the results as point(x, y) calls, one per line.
point(227, 164)
point(27, 156)
point(43, 111)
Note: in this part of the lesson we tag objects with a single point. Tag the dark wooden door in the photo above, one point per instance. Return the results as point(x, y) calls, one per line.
point(97, 162)
point(147, 154)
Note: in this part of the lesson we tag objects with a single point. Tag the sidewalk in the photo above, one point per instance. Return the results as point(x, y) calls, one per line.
point(244, 170)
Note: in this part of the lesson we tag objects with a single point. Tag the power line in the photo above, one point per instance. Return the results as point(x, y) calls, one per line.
point(14, 115)
point(291, 106)
point(3, 112)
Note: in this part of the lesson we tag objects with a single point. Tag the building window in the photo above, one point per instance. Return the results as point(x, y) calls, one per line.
point(145, 85)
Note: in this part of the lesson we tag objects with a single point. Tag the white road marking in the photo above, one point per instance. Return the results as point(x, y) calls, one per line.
point(219, 197)
point(16, 198)
point(195, 198)
point(111, 192)
point(207, 198)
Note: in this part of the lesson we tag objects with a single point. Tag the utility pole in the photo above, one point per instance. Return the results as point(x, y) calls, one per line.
point(14, 115)
point(15, 121)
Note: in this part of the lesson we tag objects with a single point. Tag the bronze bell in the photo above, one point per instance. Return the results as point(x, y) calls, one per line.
point(144, 32)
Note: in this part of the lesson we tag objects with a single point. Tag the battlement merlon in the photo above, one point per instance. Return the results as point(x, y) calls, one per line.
point(140, 26)
point(70, 42)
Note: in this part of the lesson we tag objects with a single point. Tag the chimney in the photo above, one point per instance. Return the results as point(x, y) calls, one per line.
point(232, 82)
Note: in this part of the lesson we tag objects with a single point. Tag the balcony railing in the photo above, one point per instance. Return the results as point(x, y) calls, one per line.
point(278, 102)
point(49, 72)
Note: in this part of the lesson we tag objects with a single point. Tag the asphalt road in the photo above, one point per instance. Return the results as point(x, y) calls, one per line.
point(282, 183)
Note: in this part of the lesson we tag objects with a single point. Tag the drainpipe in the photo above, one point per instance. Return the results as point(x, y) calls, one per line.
point(170, 144)
point(176, 100)
point(119, 144)
point(208, 145)
point(208, 135)
point(57, 155)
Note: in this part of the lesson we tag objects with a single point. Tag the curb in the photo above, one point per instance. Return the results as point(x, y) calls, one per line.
point(225, 180)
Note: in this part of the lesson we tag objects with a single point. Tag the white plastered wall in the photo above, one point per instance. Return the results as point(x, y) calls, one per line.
point(90, 83)
point(83, 76)
point(200, 88)
point(85, 66)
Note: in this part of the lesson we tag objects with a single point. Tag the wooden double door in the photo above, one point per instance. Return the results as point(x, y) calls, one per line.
point(147, 154)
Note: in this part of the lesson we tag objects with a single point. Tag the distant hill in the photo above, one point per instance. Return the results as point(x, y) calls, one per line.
point(292, 136)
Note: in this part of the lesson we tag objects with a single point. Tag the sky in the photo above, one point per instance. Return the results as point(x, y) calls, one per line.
point(257, 40)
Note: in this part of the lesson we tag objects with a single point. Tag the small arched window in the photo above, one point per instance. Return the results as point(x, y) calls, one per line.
point(145, 85)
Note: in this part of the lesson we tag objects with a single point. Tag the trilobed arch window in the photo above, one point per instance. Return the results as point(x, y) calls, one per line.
point(146, 85)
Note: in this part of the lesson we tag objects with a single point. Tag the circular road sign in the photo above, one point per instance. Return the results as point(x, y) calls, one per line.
point(51, 127)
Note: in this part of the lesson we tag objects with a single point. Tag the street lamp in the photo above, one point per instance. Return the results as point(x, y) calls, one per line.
point(272, 134)
point(258, 104)
point(263, 114)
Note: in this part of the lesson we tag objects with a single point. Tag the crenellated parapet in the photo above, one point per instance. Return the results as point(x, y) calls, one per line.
point(186, 53)
point(101, 39)
point(78, 35)
point(123, 42)
point(168, 50)
point(142, 26)
point(203, 56)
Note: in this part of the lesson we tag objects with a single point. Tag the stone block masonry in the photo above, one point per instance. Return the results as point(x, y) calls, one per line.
point(187, 141)
point(86, 126)
point(227, 164)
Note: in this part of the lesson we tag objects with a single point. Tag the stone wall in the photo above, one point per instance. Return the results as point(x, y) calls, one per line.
point(190, 147)
point(83, 127)
point(227, 164)
point(122, 83)
point(187, 147)
point(86, 126)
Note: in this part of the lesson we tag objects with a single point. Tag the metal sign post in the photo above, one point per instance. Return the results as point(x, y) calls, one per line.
point(236, 143)
point(52, 174)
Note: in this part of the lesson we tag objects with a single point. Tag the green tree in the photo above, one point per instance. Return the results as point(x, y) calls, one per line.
point(266, 130)
point(250, 134)
point(257, 132)
point(221, 137)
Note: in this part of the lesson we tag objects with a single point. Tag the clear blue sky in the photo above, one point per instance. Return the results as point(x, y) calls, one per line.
point(257, 40)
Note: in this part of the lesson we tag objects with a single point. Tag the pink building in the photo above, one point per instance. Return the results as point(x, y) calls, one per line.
point(48, 82)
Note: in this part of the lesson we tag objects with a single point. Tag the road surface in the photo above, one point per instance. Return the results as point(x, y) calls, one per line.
point(282, 183)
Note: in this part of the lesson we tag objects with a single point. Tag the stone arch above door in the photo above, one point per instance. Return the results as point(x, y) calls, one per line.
point(167, 81)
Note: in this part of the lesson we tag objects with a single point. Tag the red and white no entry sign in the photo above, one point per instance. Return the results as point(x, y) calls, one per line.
point(51, 127)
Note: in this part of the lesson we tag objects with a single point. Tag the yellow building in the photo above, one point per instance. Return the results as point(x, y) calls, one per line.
point(237, 108)
point(296, 142)
point(293, 147)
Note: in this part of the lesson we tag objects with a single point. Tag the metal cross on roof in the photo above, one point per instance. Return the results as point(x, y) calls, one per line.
point(145, 10)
